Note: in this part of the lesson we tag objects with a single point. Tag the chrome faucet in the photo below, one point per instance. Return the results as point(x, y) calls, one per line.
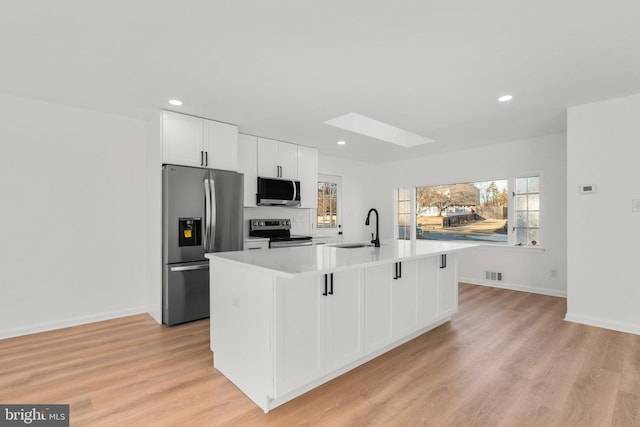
point(376, 240)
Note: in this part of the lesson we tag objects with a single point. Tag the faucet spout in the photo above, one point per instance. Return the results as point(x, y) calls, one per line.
point(375, 240)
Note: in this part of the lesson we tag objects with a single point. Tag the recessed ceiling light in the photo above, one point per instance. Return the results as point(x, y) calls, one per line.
point(505, 98)
point(341, 142)
point(175, 102)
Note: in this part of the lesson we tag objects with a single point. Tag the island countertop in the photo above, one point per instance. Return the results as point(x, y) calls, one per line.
point(304, 261)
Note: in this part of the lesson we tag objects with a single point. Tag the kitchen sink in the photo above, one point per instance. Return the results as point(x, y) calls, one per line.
point(354, 245)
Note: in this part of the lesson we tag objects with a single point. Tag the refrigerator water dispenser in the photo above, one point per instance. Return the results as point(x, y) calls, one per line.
point(189, 231)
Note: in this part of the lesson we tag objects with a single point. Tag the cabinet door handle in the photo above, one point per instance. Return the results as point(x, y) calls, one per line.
point(395, 277)
point(325, 284)
point(400, 269)
point(443, 261)
point(206, 158)
point(201, 158)
point(331, 288)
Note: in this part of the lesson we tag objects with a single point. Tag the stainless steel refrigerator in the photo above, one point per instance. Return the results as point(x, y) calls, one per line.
point(202, 213)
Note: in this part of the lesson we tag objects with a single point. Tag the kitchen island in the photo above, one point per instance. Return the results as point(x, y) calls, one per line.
point(284, 321)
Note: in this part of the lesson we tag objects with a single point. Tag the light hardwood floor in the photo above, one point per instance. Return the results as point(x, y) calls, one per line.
point(506, 359)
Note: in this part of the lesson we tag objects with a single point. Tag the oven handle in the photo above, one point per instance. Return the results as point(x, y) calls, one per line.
point(291, 243)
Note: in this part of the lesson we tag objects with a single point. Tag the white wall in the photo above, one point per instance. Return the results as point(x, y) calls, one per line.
point(523, 268)
point(358, 194)
point(72, 189)
point(603, 145)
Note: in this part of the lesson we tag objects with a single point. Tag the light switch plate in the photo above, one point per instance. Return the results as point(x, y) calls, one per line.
point(635, 205)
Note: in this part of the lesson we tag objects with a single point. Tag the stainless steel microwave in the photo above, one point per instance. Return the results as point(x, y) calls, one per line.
point(278, 192)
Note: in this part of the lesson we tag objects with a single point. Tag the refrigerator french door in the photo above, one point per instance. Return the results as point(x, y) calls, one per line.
point(202, 213)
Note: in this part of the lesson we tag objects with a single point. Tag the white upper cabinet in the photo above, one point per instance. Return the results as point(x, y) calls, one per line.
point(308, 177)
point(182, 139)
point(248, 165)
point(277, 159)
point(193, 141)
point(221, 145)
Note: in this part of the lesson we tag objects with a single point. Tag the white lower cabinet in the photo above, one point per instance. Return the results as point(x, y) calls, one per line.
point(300, 333)
point(425, 291)
point(404, 297)
point(317, 333)
point(377, 302)
point(391, 303)
point(276, 338)
point(428, 290)
point(447, 285)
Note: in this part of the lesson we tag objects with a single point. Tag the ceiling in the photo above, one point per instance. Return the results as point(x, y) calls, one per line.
point(280, 69)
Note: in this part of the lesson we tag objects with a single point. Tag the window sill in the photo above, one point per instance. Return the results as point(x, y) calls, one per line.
point(509, 248)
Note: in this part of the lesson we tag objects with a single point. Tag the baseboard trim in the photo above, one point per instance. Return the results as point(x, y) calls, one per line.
point(66, 323)
point(602, 323)
point(513, 287)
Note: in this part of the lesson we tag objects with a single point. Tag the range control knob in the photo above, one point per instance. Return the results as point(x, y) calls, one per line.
point(287, 222)
point(260, 223)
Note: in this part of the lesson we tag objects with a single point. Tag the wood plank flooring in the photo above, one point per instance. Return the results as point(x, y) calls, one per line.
point(506, 359)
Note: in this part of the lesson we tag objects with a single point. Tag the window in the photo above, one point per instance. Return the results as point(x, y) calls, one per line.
point(404, 213)
point(527, 211)
point(476, 211)
point(328, 210)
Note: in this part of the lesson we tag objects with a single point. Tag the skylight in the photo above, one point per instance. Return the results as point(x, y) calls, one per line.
point(363, 125)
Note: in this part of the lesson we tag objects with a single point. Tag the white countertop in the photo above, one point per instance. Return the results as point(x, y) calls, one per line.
point(302, 261)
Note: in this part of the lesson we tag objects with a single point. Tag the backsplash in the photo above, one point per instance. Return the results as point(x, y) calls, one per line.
point(300, 218)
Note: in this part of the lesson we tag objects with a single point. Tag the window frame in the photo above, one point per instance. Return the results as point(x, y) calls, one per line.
point(412, 213)
point(511, 234)
point(330, 231)
point(512, 210)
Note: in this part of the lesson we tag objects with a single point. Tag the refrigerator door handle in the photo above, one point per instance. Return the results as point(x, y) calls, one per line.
point(213, 213)
point(207, 214)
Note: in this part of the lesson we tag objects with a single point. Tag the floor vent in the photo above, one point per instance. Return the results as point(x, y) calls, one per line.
point(493, 275)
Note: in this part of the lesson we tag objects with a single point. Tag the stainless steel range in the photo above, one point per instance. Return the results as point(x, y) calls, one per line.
point(278, 231)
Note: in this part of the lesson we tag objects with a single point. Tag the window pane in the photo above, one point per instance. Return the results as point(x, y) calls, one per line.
point(402, 194)
point(463, 211)
point(521, 203)
point(327, 205)
point(534, 202)
point(533, 236)
point(533, 219)
point(521, 185)
point(534, 184)
point(521, 236)
point(521, 219)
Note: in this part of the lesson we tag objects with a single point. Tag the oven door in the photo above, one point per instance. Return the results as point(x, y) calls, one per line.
point(289, 243)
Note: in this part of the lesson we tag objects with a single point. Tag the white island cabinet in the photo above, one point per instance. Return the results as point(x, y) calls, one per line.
point(284, 321)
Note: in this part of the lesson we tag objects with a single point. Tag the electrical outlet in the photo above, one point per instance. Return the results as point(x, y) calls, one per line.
point(635, 205)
